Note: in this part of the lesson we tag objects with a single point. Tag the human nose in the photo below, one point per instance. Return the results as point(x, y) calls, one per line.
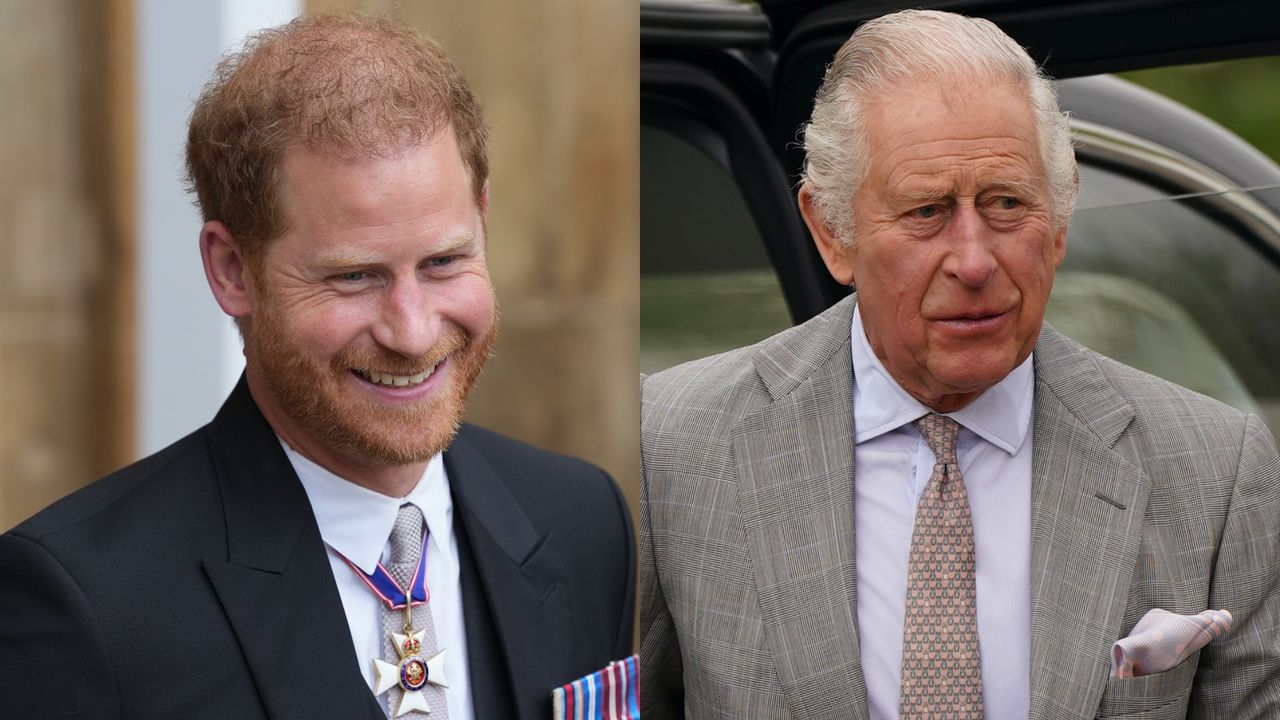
point(406, 323)
point(970, 257)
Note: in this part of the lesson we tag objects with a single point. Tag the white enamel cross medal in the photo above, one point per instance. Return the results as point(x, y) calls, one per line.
point(412, 673)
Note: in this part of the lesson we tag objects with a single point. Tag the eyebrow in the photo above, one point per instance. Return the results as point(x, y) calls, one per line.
point(349, 258)
point(924, 196)
point(933, 195)
point(1018, 187)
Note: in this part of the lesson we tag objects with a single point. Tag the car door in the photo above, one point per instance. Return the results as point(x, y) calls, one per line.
point(1174, 243)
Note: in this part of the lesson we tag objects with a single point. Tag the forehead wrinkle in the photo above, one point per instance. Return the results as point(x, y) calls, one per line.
point(926, 195)
point(377, 228)
point(923, 184)
point(977, 142)
point(952, 151)
point(938, 176)
point(401, 205)
point(414, 198)
point(1024, 188)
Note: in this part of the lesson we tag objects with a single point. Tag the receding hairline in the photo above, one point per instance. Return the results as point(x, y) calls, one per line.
point(343, 84)
point(922, 46)
point(335, 157)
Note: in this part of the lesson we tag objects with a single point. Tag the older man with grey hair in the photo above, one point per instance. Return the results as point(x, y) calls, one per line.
point(925, 503)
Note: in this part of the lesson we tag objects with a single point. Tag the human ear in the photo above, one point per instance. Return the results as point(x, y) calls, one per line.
point(1059, 246)
point(1060, 235)
point(837, 255)
point(226, 270)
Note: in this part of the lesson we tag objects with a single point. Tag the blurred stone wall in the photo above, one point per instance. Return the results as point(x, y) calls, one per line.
point(65, 414)
point(559, 83)
point(558, 79)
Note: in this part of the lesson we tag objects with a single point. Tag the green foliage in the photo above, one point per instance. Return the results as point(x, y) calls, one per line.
point(1241, 95)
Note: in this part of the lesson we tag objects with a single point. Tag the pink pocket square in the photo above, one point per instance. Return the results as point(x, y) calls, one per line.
point(1162, 639)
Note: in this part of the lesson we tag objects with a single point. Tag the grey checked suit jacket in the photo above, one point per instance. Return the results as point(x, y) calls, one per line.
point(1143, 495)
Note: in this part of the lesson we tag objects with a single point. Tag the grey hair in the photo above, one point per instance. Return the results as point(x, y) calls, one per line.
point(907, 46)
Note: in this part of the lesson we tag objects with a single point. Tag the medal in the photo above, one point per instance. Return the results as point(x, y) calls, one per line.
point(413, 673)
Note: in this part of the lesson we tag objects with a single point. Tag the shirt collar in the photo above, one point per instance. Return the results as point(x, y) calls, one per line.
point(1001, 415)
point(356, 521)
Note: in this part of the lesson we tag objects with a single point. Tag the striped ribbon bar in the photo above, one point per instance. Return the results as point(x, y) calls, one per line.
point(608, 694)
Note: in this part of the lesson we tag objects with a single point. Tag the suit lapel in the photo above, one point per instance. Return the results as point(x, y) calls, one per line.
point(523, 578)
point(490, 680)
point(275, 582)
point(795, 489)
point(795, 465)
point(1087, 506)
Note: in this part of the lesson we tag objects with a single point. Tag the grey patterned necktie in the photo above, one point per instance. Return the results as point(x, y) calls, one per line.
point(406, 548)
point(941, 673)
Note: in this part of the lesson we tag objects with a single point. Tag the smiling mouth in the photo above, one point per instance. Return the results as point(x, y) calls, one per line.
point(389, 380)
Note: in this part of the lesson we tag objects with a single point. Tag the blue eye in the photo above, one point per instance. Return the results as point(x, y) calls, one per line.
point(1007, 203)
point(353, 276)
point(442, 261)
point(926, 211)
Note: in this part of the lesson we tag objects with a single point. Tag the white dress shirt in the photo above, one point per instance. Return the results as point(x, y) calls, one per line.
point(356, 522)
point(893, 464)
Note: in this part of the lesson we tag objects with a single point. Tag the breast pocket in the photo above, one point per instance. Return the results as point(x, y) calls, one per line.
point(1151, 697)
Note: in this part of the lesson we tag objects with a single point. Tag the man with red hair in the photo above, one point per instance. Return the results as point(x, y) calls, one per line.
point(336, 542)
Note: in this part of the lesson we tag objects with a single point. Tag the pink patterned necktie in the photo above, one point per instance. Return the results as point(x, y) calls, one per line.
point(941, 675)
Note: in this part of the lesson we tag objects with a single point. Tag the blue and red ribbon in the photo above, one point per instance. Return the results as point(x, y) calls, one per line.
point(388, 590)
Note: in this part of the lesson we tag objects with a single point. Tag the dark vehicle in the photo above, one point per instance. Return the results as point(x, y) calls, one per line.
point(1173, 259)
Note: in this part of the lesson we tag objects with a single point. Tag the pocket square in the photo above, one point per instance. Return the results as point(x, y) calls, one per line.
point(1162, 639)
point(608, 694)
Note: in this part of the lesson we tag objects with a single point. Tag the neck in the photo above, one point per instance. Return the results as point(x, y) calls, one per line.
point(392, 481)
point(943, 404)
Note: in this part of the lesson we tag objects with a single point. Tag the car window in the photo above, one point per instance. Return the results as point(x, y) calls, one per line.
point(1233, 93)
point(1182, 285)
point(706, 284)
point(1174, 285)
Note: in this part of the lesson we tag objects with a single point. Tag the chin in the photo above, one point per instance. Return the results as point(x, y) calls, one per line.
point(396, 454)
point(965, 373)
point(401, 435)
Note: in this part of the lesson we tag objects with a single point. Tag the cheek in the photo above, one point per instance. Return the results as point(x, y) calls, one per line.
point(1030, 263)
point(469, 303)
point(327, 331)
point(907, 277)
point(334, 335)
point(894, 292)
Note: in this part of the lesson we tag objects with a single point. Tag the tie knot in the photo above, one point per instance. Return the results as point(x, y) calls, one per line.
point(406, 536)
point(940, 432)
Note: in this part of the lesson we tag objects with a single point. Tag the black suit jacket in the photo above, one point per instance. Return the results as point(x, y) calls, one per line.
point(194, 584)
